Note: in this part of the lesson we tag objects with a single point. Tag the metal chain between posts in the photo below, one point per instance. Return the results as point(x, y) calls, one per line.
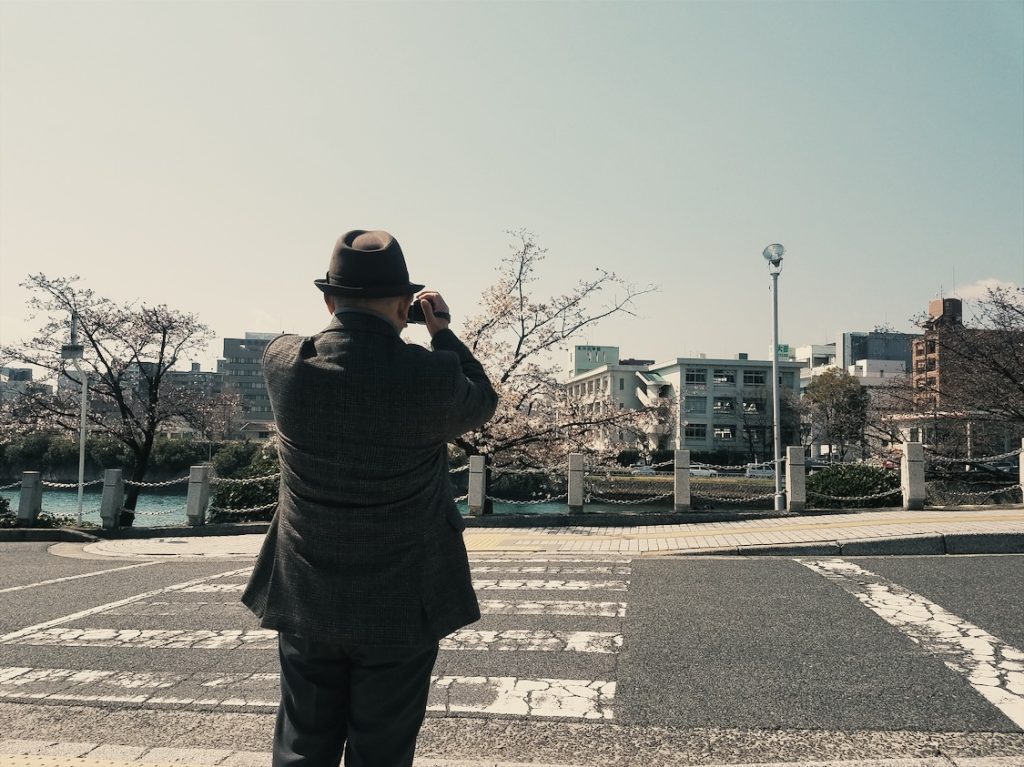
point(12, 486)
point(264, 507)
point(246, 481)
point(164, 513)
point(982, 493)
point(461, 498)
point(730, 498)
point(873, 497)
point(168, 483)
point(70, 484)
point(496, 472)
point(599, 499)
point(459, 469)
point(549, 499)
point(724, 467)
point(984, 459)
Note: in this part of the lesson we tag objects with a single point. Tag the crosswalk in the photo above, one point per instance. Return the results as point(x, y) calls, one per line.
point(547, 646)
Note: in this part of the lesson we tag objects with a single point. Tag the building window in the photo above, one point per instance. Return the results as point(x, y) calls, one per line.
point(753, 406)
point(930, 347)
point(724, 376)
point(754, 377)
point(724, 404)
point(788, 379)
point(696, 432)
point(696, 378)
point(725, 433)
point(696, 404)
point(915, 434)
point(622, 383)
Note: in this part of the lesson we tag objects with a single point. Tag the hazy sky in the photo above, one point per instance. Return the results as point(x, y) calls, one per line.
point(206, 155)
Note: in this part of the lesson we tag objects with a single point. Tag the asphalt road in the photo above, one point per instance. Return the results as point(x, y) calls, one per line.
point(593, 661)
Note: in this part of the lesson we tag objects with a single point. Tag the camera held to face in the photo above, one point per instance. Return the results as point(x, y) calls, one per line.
point(416, 316)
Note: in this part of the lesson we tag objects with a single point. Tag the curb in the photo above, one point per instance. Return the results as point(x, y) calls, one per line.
point(950, 543)
point(45, 535)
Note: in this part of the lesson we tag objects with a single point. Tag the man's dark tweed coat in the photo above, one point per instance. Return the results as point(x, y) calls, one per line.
point(366, 544)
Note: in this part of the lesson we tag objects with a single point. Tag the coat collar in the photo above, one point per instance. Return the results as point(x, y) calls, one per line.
point(356, 319)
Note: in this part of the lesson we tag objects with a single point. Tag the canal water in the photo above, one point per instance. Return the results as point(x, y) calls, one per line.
point(166, 509)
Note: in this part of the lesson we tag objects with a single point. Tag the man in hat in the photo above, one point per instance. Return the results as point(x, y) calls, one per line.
point(364, 568)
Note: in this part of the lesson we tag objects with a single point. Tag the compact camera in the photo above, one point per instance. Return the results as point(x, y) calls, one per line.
point(416, 316)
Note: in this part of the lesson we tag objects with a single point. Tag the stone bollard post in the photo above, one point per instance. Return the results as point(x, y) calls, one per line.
point(912, 476)
point(31, 501)
point(1020, 465)
point(477, 485)
point(796, 479)
point(198, 495)
point(575, 483)
point(681, 485)
point(113, 499)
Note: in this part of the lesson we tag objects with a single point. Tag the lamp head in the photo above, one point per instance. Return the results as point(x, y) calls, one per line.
point(773, 254)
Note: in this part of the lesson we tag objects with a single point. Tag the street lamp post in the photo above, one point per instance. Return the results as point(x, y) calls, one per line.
point(773, 255)
point(74, 353)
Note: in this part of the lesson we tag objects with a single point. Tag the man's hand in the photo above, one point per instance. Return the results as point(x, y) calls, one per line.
point(431, 301)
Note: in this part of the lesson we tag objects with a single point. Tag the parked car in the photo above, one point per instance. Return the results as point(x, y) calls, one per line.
point(642, 470)
point(703, 472)
point(754, 470)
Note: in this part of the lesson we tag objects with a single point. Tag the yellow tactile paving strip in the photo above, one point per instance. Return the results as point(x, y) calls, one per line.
point(528, 539)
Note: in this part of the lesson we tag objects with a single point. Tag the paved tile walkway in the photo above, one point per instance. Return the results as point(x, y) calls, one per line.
point(639, 541)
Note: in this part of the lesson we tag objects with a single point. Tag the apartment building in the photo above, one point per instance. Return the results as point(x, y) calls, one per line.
point(721, 404)
point(242, 370)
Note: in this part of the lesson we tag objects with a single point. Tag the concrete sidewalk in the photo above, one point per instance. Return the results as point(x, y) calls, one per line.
point(976, 530)
point(42, 753)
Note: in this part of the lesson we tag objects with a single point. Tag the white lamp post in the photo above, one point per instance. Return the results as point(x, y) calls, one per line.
point(773, 255)
point(74, 352)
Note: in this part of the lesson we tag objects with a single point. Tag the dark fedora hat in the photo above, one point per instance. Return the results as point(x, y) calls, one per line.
point(369, 265)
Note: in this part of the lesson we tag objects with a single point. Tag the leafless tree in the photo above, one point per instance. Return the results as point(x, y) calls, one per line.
point(128, 351)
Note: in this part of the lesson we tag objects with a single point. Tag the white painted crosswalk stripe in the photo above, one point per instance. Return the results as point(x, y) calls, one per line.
point(552, 569)
point(214, 601)
point(570, 698)
point(538, 585)
point(994, 668)
point(533, 584)
point(553, 607)
point(263, 639)
point(583, 609)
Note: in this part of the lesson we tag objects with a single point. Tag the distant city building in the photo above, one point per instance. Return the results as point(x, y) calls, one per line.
point(929, 374)
point(207, 383)
point(722, 404)
point(242, 370)
point(584, 358)
point(17, 381)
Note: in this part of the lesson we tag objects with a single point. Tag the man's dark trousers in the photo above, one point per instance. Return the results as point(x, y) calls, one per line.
point(369, 700)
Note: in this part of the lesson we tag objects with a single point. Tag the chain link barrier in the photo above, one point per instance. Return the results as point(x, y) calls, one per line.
point(934, 458)
point(245, 481)
point(13, 486)
point(858, 498)
point(731, 498)
point(163, 513)
point(168, 483)
point(548, 499)
point(264, 507)
point(66, 485)
point(980, 494)
point(649, 499)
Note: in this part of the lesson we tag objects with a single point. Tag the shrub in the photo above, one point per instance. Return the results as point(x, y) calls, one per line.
point(7, 517)
point(852, 480)
point(263, 462)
